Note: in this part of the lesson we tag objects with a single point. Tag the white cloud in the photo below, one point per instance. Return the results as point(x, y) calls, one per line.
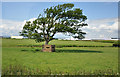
point(101, 36)
point(103, 24)
point(107, 27)
point(10, 27)
point(104, 28)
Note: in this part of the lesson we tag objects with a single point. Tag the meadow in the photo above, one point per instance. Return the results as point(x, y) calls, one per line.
point(24, 57)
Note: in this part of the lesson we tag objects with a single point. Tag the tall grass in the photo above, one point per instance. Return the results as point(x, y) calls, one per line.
point(22, 70)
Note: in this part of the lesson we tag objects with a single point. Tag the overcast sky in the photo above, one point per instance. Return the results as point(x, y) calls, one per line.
point(102, 17)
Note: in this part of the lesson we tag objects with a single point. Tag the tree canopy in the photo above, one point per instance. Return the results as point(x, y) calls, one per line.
point(61, 18)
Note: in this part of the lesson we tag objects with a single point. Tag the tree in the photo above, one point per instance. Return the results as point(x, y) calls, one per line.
point(28, 30)
point(61, 18)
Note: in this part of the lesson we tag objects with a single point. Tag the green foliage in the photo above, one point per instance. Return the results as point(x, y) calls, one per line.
point(27, 30)
point(61, 18)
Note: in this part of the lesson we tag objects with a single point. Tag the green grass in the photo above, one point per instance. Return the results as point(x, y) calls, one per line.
point(80, 43)
point(58, 43)
point(65, 59)
point(16, 42)
point(106, 41)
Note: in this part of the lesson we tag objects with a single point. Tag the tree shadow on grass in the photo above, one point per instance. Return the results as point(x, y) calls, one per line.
point(77, 51)
point(24, 50)
point(33, 50)
point(65, 51)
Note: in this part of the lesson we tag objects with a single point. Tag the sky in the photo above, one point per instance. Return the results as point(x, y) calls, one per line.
point(102, 17)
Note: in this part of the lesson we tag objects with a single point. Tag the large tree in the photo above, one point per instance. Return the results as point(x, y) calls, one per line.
point(61, 18)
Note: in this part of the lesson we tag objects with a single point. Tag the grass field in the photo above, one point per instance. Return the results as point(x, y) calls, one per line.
point(66, 60)
point(58, 43)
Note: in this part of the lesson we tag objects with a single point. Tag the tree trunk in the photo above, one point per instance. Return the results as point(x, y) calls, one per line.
point(46, 42)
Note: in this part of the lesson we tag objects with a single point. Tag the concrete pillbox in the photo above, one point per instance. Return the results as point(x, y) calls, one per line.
point(48, 48)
